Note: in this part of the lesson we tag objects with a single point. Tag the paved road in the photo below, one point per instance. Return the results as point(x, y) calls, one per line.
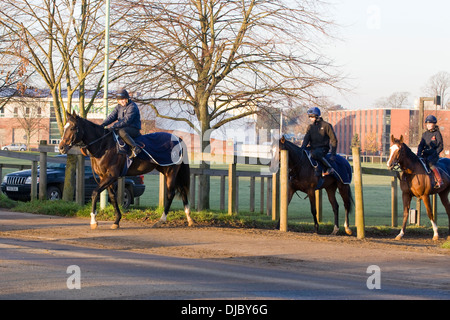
point(53, 266)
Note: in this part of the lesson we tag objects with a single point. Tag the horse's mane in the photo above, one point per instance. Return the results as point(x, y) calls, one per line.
point(293, 149)
point(408, 152)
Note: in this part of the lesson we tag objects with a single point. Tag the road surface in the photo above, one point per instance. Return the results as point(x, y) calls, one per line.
point(47, 257)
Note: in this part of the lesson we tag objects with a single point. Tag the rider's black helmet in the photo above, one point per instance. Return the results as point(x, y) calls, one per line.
point(431, 119)
point(122, 94)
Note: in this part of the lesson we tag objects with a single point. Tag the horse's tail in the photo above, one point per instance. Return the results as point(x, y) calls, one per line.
point(346, 192)
point(183, 181)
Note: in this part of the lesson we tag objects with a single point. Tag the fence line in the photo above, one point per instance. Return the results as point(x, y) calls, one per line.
point(269, 183)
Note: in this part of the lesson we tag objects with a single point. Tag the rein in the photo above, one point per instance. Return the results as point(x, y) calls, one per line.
point(96, 140)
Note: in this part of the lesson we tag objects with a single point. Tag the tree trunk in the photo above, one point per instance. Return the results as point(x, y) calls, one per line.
point(69, 185)
point(204, 180)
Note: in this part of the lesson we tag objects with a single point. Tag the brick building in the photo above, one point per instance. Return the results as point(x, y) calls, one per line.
point(375, 126)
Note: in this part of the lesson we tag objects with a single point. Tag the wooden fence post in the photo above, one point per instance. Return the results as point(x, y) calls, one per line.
point(231, 188)
point(319, 205)
point(359, 203)
point(284, 186)
point(79, 192)
point(34, 170)
point(394, 205)
point(43, 172)
point(275, 195)
point(162, 190)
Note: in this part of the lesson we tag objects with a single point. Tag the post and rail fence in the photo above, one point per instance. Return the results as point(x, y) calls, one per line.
point(273, 185)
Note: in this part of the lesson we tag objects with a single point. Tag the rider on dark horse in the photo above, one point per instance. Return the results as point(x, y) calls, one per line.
point(430, 146)
point(128, 119)
point(320, 136)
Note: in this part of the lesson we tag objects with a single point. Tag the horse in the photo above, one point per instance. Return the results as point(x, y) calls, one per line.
point(109, 163)
point(302, 178)
point(416, 181)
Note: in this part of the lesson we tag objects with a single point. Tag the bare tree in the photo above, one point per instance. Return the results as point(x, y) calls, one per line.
point(62, 41)
point(439, 85)
point(226, 60)
point(394, 101)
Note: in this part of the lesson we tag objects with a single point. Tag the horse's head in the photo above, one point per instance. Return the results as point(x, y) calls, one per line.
point(277, 145)
point(395, 152)
point(71, 135)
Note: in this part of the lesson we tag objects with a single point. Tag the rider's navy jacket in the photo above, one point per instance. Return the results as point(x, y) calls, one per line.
point(431, 144)
point(320, 135)
point(128, 116)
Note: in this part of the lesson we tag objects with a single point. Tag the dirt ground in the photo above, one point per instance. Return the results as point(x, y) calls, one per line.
point(214, 242)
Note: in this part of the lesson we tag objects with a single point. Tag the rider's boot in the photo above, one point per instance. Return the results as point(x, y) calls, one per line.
point(438, 176)
point(135, 148)
point(329, 169)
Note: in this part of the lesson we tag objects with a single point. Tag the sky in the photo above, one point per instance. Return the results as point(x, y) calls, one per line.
point(388, 46)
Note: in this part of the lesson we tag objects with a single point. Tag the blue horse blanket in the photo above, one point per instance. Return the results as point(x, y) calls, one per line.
point(342, 168)
point(162, 148)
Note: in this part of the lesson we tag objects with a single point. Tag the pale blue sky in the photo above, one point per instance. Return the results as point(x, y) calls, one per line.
point(389, 46)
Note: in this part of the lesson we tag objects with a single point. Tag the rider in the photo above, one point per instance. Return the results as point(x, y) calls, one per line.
point(128, 123)
point(319, 136)
point(430, 146)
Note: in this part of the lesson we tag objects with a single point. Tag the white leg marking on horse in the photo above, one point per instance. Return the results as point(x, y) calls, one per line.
point(435, 230)
point(400, 235)
point(163, 217)
point(93, 215)
point(187, 210)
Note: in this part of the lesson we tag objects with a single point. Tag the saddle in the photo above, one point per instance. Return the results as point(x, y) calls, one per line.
point(342, 169)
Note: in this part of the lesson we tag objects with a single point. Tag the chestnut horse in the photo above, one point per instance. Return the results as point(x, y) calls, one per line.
point(416, 181)
point(302, 177)
point(108, 163)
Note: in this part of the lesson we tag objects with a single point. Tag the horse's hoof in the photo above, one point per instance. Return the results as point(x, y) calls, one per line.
point(115, 226)
point(157, 224)
point(436, 238)
point(94, 226)
point(335, 231)
point(348, 231)
point(398, 237)
point(190, 223)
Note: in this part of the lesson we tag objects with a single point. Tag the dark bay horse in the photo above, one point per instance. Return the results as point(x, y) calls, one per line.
point(108, 163)
point(415, 181)
point(302, 177)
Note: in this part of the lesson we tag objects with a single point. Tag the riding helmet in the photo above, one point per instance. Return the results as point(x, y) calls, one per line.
point(431, 119)
point(122, 94)
point(314, 112)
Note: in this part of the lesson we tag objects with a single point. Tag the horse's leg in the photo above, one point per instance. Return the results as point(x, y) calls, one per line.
point(344, 190)
point(95, 195)
point(406, 197)
point(427, 203)
point(170, 183)
point(312, 203)
point(117, 213)
point(331, 192)
point(444, 199)
point(187, 209)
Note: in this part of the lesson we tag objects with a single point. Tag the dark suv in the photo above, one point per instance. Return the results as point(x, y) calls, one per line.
point(17, 185)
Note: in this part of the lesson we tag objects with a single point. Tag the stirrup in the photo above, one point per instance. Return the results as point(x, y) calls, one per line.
point(438, 184)
point(135, 151)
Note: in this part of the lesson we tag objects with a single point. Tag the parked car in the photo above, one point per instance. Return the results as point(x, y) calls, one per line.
point(17, 185)
point(15, 147)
